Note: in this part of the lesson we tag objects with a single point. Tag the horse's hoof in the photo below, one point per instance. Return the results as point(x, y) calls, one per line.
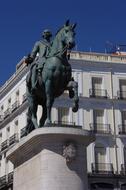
point(75, 108)
point(71, 93)
point(48, 123)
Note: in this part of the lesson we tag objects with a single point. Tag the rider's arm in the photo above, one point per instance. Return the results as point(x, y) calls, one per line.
point(35, 50)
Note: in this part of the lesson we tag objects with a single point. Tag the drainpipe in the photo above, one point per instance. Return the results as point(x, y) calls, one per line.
point(114, 123)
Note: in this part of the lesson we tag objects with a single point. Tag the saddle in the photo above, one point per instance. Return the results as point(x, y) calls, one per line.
point(38, 76)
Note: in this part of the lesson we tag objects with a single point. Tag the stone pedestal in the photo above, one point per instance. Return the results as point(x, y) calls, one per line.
point(51, 158)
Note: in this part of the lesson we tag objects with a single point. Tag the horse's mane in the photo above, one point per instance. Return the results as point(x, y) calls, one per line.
point(59, 30)
point(57, 34)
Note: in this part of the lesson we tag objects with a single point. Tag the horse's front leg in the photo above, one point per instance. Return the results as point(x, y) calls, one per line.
point(44, 116)
point(73, 89)
point(49, 100)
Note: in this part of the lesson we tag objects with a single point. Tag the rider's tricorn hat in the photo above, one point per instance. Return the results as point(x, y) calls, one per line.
point(47, 32)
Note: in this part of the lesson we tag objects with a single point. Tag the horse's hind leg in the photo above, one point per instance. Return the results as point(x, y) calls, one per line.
point(49, 100)
point(73, 89)
point(44, 116)
point(34, 114)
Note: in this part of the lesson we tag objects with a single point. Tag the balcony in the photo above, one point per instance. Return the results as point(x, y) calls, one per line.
point(63, 123)
point(122, 129)
point(7, 113)
point(100, 128)
point(13, 139)
point(121, 95)
point(3, 181)
point(1, 118)
point(98, 93)
point(15, 106)
point(102, 168)
point(123, 169)
point(24, 97)
point(10, 178)
point(4, 145)
point(23, 132)
point(6, 180)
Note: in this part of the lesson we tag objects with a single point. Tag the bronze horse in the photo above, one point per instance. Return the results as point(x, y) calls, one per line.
point(55, 78)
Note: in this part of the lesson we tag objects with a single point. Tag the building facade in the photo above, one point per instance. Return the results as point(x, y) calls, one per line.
point(102, 110)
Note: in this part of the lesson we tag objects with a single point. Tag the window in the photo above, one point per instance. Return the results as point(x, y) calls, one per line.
point(98, 116)
point(122, 87)
point(123, 114)
point(16, 126)
point(63, 115)
point(17, 95)
point(124, 150)
point(100, 153)
point(98, 121)
point(97, 86)
point(123, 117)
point(123, 186)
point(9, 102)
point(1, 109)
point(8, 132)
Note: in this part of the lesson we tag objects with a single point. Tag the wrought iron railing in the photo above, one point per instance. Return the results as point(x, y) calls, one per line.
point(6, 180)
point(13, 139)
point(98, 93)
point(7, 113)
point(65, 124)
point(121, 95)
point(100, 128)
point(102, 168)
point(123, 169)
point(1, 118)
point(23, 132)
point(24, 97)
point(15, 105)
point(10, 177)
point(3, 181)
point(122, 129)
point(4, 145)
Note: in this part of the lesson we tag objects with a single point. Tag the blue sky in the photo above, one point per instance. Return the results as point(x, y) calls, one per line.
point(22, 21)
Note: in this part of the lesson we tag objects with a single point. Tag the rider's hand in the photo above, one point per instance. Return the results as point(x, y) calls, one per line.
point(28, 59)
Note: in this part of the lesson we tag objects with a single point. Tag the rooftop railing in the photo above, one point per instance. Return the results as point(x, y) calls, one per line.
point(98, 57)
point(102, 168)
point(98, 93)
point(100, 128)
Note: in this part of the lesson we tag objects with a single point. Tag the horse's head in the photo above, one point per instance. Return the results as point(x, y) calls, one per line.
point(68, 35)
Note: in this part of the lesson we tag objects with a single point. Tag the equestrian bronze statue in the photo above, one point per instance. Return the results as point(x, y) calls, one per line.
point(50, 74)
